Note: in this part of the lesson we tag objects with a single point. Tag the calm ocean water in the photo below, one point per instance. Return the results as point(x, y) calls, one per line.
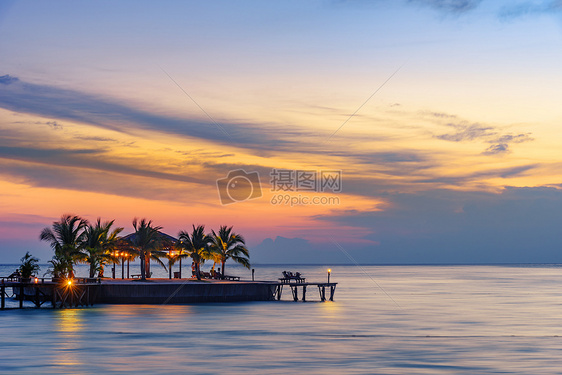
point(424, 320)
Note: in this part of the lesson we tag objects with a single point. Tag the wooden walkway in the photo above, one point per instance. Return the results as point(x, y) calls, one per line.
point(303, 285)
point(78, 292)
point(85, 292)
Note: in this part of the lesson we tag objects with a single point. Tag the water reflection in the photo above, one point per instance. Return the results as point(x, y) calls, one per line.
point(69, 333)
point(462, 320)
point(331, 310)
point(69, 322)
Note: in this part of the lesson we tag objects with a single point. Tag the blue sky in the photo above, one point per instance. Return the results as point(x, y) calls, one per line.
point(135, 109)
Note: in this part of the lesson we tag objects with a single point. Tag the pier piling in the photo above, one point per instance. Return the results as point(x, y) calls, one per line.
point(3, 298)
point(321, 290)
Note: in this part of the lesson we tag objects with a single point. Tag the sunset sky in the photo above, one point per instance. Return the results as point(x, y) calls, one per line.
point(136, 108)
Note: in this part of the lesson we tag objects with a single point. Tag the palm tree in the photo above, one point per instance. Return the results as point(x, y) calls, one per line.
point(146, 243)
point(229, 245)
point(58, 268)
point(173, 252)
point(197, 246)
point(180, 254)
point(121, 251)
point(65, 237)
point(173, 256)
point(98, 243)
point(29, 266)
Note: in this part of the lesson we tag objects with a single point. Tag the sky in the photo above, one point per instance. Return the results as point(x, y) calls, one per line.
point(435, 123)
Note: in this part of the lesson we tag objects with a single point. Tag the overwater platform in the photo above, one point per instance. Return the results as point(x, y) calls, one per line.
point(82, 292)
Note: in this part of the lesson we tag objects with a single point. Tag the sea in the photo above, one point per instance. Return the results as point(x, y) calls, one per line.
point(414, 319)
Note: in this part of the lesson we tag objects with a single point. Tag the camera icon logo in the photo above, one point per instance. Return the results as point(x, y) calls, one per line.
point(239, 186)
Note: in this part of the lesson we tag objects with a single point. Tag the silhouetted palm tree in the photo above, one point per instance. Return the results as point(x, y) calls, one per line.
point(196, 245)
point(65, 237)
point(229, 245)
point(98, 243)
point(58, 267)
point(181, 253)
point(146, 242)
point(174, 254)
point(29, 266)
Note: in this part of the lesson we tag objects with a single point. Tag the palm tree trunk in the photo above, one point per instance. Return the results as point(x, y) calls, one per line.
point(147, 266)
point(223, 263)
point(180, 267)
point(142, 266)
point(197, 271)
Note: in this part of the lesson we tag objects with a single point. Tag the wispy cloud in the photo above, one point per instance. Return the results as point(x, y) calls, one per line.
point(369, 172)
point(63, 104)
point(55, 125)
point(93, 138)
point(466, 131)
point(8, 79)
point(505, 12)
point(89, 159)
point(112, 180)
point(449, 6)
point(519, 138)
point(500, 148)
point(473, 177)
point(526, 8)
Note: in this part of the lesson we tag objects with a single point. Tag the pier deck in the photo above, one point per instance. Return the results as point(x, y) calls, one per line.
point(80, 292)
point(86, 292)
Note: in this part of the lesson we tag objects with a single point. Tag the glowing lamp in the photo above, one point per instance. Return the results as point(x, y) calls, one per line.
point(329, 272)
point(69, 282)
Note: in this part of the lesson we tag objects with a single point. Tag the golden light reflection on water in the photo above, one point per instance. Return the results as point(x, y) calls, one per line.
point(69, 326)
point(162, 312)
point(331, 310)
point(69, 322)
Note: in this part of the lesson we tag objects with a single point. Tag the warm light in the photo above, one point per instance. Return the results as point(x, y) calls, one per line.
point(69, 282)
point(329, 270)
point(36, 280)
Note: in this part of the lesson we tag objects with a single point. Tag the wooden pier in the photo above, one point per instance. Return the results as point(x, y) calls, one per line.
point(303, 285)
point(64, 293)
point(83, 292)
